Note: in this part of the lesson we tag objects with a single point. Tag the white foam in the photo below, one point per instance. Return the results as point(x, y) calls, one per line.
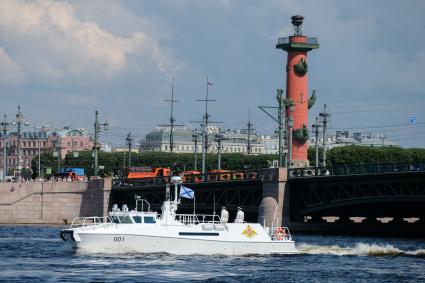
point(360, 249)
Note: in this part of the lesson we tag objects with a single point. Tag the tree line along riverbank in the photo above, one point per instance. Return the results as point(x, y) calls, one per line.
point(114, 163)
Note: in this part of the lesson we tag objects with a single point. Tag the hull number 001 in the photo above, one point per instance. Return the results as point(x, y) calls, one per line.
point(118, 239)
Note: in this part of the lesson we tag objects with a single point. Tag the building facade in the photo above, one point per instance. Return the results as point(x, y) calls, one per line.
point(31, 144)
point(344, 138)
point(70, 140)
point(34, 142)
point(184, 140)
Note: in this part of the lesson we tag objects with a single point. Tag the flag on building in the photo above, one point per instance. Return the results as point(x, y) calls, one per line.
point(185, 192)
point(209, 83)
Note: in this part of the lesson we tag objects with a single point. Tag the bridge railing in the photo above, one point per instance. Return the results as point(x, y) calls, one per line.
point(357, 169)
point(190, 178)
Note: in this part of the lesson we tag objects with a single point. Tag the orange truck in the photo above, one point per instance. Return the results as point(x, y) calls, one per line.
point(191, 176)
point(224, 175)
point(147, 172)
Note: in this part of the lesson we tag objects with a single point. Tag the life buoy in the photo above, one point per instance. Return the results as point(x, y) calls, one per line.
point(280, 233)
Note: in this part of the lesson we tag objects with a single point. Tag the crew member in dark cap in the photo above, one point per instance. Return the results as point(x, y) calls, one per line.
point(240, 215)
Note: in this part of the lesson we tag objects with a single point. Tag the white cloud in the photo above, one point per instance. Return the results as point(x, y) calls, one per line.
point(10, 71)
point(49, 41)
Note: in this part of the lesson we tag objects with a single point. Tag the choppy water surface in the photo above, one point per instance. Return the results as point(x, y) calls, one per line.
point(36, 254)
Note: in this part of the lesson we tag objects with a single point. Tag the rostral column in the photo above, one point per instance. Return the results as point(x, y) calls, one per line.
point(297, 47)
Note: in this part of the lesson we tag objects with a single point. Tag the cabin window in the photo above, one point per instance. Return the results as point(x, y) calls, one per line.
point(125, 219)
point(149, 219)
point(115, 219)
point(137, 219)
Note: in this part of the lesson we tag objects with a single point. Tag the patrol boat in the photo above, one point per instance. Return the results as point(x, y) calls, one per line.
point(125, 231)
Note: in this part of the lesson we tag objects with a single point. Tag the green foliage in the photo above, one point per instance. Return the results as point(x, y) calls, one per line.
point(46, 161)
point(26, 173)
point(369, 155)
point(114, 162)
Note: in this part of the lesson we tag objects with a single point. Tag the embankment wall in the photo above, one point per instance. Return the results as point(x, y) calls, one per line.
point(53, 202)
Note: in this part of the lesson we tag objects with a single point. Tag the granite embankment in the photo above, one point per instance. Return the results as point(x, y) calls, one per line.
point(53, 202)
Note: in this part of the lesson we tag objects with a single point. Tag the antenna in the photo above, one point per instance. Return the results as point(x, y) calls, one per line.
point(172, 120)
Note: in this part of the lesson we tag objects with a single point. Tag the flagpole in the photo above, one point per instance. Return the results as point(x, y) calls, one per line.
point(214, 207)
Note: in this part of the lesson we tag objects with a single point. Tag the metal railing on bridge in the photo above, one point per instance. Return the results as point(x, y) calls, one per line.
point(357, 169)
point(229, 176)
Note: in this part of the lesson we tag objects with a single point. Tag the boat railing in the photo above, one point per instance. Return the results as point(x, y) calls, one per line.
point(90, 221)
point(188, 219)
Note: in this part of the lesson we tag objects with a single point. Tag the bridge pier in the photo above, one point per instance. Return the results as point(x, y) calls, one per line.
point(274, 205)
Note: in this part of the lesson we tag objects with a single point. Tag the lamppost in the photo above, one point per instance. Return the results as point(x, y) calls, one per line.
point(195, 137)
point(36, 138)
point(57, 153)
point(290, 107)
point(19, 122)
point(219, 138)
point(324, 118)
point(96, 145)
point(315, 128)
point(39, 159)
point(129, 140)
point(5, 127)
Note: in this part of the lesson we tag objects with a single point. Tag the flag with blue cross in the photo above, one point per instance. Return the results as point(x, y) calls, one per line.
point(185, 192)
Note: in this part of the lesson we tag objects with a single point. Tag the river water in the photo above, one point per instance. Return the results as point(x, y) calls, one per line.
point(37, 254)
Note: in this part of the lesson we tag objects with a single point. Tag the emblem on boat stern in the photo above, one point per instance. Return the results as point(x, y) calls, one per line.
point(249, 232)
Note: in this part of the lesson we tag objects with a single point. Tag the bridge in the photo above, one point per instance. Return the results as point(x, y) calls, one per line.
point(367, 194)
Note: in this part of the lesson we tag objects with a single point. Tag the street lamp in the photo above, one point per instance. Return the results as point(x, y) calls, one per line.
point(5, 127)
point(129, 141)
point(96, 145)
point(57, 153)
point(291, 108)
point(195, 137)
point(19, 122)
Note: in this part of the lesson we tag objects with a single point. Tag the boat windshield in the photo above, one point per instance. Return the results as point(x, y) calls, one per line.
point(125, 219)
point(137, 219)
point(149, 219)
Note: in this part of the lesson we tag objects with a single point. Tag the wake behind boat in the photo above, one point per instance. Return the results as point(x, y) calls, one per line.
point(125, 231)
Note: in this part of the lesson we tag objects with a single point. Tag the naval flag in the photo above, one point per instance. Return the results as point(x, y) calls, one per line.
point(185, 192)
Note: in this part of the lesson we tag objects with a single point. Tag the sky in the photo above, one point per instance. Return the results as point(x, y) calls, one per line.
point(62, 60)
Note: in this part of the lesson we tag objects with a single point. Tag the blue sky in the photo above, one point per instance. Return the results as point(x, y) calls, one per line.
point(62, 60)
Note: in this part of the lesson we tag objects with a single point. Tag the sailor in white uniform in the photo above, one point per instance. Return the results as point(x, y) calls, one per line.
point(239, 216)
point(224, 217)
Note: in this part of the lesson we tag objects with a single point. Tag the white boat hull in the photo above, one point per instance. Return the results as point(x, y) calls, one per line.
point(148, 244)
point(115, 240)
